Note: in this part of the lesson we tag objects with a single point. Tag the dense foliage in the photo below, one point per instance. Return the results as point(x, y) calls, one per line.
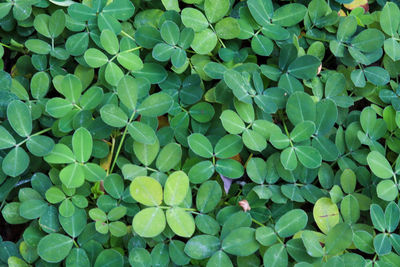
point(200, 133)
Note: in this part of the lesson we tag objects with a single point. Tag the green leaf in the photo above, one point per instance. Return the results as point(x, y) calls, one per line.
point(364, 241)
point(302, 131)
point(113, 115)
point(109, 258)
point(348, 181)
point(387, 190)
point(77, 257)
point(201, 172)
point(219, 259)
point(382, 244)
point(176, 188)
point(77, 44)
point(149, 222)
point(377, 217)
point(170, 32)
point(114, 185)
point(291, 222)
point(350, 209)
point(289, 14)
point(32, 209)
point(142, 133)
point(19, 116)
point(113, 73)
point(204, 41)
point(208, 196)
point(109, 41)
point(193, 18)
point(82, 144)
point(231, 122)
point(240, 242)
point(40, 84)
point(95, 58)
point(130, 61)
point(377, 75)
point(216, 10)
point(311, 241)
point(202, 246)
point(15, 162)
point(276, 256)
point(262, 45)
point(308, 156)
point(228, 146)
point(181, 222)
point(6, 139)
point(170, 156)
point(368, 40)
point(266, 236)
point(139, 257)
point(261, 10)
point(72, 176)
point(146, 190)
point(304, 67)
point(200, 145)
point(339, 238)
point(229, 168)
point(122, 9)
point(155, 105)
point(40, 145)
point(127, 90)
point(71, 87)
point(239, 86)
point(253, 140)
point(392, 216)
point(288, 158)
point(146, 154)
point(54, 247)
point(227, 28)
point(390, 18)
point(60, 154)
point(58, 107)
point(75, 224)
point(38, 46)
point(392, 48)
point(300, 107)
point(379, 165)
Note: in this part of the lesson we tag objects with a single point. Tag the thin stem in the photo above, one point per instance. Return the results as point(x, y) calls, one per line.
point(76, 244)
point(286, 130)
point(132, 49)
point(257, 222)
point(35, 134)
point(112, 151)
point(127, 35)
point(122, 141)
point(219, 39)
point(151, 169)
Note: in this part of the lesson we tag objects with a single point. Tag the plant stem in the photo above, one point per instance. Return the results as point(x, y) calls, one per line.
point(122, 141)
point(35, 134)
point(76, 244)
point(257, 222)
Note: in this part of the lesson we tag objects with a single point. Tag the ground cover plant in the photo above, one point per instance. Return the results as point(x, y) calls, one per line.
point(199, 133)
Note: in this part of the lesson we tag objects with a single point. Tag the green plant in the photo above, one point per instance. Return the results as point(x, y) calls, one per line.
point(200, 132)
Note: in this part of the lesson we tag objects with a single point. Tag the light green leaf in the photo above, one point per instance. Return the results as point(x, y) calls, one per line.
point(181, 222)
point(19, 116)
point(176, 188)
point(146, 190)
point(149, 222)
point(54, 247)
point(379, 165)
